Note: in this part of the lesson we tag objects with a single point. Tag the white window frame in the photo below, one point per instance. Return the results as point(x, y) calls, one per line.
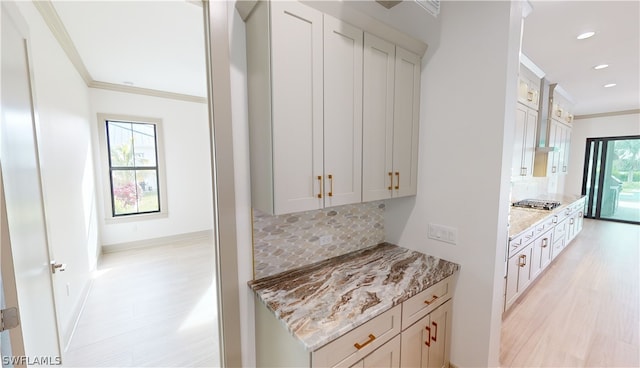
point(105, 169)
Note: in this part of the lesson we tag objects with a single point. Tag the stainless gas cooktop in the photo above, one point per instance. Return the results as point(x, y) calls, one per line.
point(537, 204)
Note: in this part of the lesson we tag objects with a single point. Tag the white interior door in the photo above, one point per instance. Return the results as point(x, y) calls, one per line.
point(23, 192)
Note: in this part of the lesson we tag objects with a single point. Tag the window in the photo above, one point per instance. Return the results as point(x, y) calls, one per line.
point(134, 184)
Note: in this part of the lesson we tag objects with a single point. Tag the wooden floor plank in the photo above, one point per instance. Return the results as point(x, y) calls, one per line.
point(149, 308)
point(584, 311)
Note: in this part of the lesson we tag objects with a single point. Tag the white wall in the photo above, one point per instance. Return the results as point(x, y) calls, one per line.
point(188, 166)
point(605, 126)
point(466, 140)
point(239, 112)
point(62, 102)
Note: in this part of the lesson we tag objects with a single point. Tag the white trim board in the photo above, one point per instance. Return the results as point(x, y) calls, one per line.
point(606, 114)
point(53, 21)
point(179, 239)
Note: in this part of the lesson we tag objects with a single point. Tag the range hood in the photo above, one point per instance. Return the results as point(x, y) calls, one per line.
point(544, 117)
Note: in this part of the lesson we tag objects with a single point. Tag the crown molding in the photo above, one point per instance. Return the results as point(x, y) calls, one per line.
point(59, 31)
point(607, 114)
point(146, 92)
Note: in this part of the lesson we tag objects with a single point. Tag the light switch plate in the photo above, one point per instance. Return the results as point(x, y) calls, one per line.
point(443, 233)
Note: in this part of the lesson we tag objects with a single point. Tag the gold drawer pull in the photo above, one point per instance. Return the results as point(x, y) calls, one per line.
point(371, 338)
point(320, 182)
point(530, 95)
point(398, 183)
point(433, 299)
point(544, 243)
point(390, 181)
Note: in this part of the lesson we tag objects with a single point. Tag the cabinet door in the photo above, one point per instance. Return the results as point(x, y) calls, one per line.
point(405, 123)
point(554, 141)
point(529, 151)
point(427, 343)
point(540, 254)
point(297, 108)
point(386, 356)
point(377, 124)
point(519, 141)
point(566, 143)
point(415, 344)
point(440, 336)
point(518, 269)
point(342, 112)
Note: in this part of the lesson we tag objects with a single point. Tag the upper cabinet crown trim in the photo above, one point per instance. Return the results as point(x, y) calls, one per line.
point(349, 15)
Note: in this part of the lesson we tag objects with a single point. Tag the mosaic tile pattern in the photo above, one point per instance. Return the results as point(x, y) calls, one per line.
point(284, 242)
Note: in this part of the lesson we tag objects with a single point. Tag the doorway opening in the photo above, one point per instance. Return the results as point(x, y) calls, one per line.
point(611, 179)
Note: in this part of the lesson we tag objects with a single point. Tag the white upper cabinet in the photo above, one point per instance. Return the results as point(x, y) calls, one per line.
point(391, 119)
point(342, 112)
point(297, 115)
point(305, 108)
point(311, 78)
point(525, 141)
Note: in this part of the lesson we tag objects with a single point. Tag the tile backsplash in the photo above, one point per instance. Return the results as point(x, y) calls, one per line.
point(284, 242)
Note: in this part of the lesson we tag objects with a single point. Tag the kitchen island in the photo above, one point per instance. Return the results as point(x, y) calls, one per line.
point(385, 288)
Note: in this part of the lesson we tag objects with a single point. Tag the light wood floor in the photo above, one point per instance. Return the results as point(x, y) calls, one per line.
point(584, 310)
point(151, 307)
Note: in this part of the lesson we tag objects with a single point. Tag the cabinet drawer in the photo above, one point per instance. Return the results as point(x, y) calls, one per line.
point(421, 304)
point(545, 225)
point(359, 342)
point(521, 241)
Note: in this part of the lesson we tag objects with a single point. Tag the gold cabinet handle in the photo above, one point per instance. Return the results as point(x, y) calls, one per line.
point(330, 194)
point(544, 242)
point(320, 181)
point(523, 260)
point(433, 299)
point(390, 181)
point(554, 169)
point(360, 346)
point(428, 342)
point(398, 181)
point(435, 333)
point(530, 95)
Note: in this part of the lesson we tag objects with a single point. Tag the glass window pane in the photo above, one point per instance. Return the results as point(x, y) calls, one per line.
point(621, 198)
point(148, 184)
point(120, 144)
point(126, 192)
point(144, 138)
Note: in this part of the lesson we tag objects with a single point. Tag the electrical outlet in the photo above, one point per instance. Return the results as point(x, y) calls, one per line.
point(326, 239)
point(443, 233)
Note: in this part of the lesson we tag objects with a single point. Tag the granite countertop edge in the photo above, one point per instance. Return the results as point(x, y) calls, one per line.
point(366, 267)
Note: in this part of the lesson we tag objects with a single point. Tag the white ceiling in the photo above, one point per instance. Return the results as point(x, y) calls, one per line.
point(152, 44)
point(549, 40)
point(160, 45)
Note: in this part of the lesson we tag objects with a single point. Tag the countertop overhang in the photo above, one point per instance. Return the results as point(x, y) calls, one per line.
point(320, 302)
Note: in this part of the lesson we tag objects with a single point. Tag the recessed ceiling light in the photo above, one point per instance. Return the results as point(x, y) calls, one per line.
point(585, 35)
point(609, 85)
point(601, 66)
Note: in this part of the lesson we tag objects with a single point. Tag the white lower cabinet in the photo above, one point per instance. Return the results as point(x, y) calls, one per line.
point(427, 342)
point(532, 251)
point(415, 333)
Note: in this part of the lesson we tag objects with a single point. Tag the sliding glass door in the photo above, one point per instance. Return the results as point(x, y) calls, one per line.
point(611, 179)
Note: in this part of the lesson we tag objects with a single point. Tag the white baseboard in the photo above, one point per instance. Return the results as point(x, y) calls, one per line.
point(187, 238)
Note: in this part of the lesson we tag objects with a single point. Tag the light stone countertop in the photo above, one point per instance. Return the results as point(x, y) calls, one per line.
point(323, 301)
point(523, 218)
